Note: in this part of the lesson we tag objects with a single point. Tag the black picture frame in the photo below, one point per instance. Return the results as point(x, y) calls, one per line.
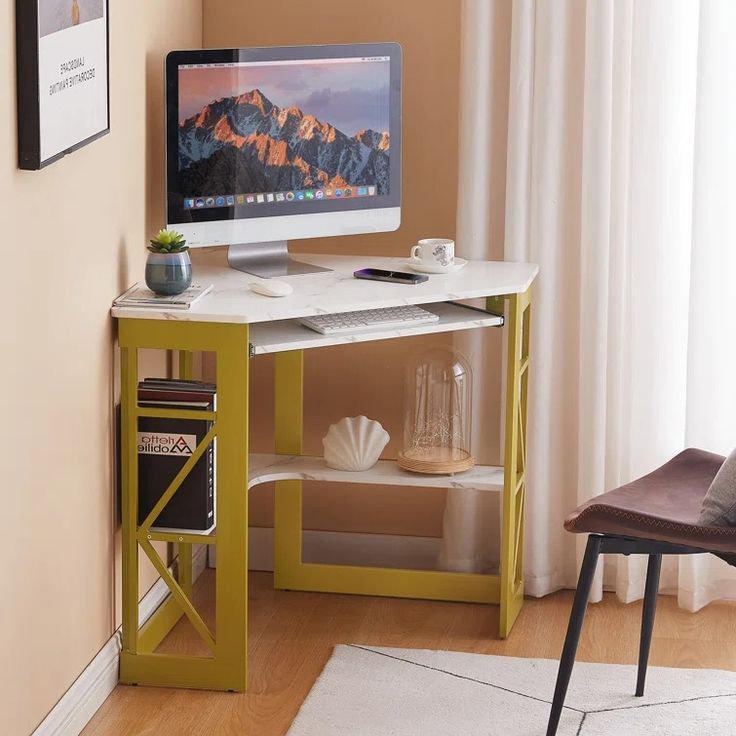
point(29, 48)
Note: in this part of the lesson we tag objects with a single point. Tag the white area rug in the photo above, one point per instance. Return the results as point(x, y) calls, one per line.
point(372, 691)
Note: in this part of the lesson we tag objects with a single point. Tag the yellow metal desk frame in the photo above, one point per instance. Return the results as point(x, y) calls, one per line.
point(226, 668)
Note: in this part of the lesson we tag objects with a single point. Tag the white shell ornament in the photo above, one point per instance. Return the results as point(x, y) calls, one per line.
point(354, 443)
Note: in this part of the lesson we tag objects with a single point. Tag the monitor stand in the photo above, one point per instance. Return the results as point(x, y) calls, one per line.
point(267, 260)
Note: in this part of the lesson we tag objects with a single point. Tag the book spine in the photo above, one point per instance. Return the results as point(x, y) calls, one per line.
point(166, 384)
point(211, 480)
point(151, 394)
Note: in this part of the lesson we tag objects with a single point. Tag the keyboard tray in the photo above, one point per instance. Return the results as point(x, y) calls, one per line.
point(289, 334)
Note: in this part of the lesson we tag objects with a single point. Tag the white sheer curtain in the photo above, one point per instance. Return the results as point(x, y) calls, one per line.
point(621, 183)
point(472, 521)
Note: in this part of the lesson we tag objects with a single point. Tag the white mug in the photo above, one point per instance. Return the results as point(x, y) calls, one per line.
point(434, 252)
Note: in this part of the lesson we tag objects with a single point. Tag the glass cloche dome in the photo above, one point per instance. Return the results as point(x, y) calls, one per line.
point(437, 404)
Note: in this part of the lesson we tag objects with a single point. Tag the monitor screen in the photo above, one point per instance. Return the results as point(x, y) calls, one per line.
point(310, 131)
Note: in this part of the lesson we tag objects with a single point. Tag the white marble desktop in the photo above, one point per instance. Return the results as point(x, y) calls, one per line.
point(231, 299)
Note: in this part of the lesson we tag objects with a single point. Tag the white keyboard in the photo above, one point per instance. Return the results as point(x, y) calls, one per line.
point(369, 319)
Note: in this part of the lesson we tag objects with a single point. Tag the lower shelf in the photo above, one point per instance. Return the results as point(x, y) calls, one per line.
point(265, 468)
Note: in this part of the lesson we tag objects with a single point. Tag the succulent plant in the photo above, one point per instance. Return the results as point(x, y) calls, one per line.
point(168, 241)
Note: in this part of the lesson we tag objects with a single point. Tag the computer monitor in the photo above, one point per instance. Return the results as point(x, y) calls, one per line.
point(266, 145)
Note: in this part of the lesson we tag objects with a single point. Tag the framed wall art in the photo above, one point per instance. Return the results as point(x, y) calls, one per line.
point(63, 77)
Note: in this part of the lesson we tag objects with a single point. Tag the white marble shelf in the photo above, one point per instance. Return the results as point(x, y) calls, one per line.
point(276, 337)
point(265, 468)
point(232, 300)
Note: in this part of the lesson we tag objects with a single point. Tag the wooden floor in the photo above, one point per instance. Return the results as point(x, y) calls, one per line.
point(292, 635)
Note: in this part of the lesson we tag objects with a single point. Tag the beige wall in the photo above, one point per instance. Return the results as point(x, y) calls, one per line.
point(72, 238)
point(366, 378)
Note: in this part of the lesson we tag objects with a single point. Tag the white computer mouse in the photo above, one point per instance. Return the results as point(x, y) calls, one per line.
point(272, 287)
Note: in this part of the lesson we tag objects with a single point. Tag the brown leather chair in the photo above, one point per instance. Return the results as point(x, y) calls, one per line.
point(655, 515)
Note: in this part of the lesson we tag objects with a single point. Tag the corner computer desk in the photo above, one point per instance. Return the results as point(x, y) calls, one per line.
point(238, 325)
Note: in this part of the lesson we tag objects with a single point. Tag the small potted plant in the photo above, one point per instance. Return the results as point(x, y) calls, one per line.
point(168, 268)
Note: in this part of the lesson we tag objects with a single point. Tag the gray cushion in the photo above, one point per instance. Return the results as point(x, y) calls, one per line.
point(719, 504)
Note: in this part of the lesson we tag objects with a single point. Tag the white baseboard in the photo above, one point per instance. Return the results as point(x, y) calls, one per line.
point(347, 548)
point(99, 678)
point(89, 691)
point(82, 700)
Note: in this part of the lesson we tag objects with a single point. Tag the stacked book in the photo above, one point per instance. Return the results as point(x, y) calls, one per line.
point(164, 445)
point(140, 295)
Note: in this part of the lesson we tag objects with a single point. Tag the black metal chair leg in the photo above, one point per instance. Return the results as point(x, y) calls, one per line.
point(567, 660)
point(647, 619)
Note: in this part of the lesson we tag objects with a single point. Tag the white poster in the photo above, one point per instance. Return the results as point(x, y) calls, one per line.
point(72, 73)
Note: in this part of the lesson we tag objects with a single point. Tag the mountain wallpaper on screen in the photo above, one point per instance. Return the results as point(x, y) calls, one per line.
point(247, 144)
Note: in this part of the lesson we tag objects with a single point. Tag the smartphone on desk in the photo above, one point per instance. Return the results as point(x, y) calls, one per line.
point(393, 277)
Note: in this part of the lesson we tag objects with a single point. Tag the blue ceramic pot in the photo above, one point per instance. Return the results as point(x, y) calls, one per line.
point(168, 273)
